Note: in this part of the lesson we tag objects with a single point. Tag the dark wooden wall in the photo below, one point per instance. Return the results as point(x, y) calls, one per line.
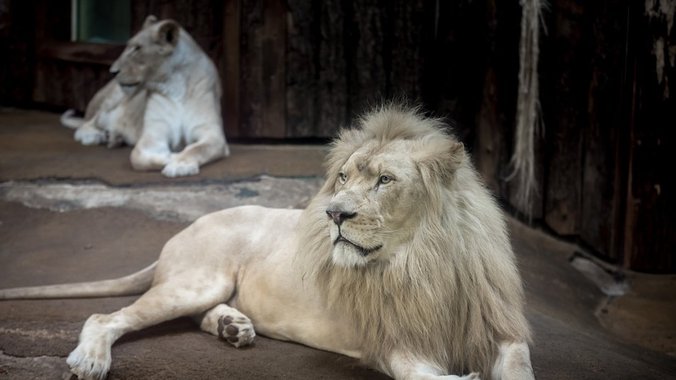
point(609, 124)
point(650, 232)
point(300, 69)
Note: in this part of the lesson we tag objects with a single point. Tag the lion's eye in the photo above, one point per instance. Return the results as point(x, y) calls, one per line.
point(342, 177)
point(384, 179)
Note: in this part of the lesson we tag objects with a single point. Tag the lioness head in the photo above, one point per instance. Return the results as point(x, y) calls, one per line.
point(145, 52)
point(384, 177)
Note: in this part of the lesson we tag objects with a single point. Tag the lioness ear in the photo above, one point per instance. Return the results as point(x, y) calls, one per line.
point(167, 34)
point(150, 20)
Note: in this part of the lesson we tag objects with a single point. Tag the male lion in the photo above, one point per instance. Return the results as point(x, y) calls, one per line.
point(402, 260)
point(165, 99)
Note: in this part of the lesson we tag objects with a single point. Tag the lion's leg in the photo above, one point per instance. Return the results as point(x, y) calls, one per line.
point(207, 148)
point(513, 362)
point(181, 297)
point(408, 367)
point(228, 323)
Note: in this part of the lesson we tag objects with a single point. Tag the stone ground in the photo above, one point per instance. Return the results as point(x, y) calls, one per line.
point(73, 213)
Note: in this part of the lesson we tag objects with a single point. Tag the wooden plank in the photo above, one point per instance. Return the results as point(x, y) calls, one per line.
point(344, 57)
point(454, 59)
point(316, 85)
point(366, 68)
point(274, 69)
point(652, 199)
point(17, 41)
point(262, 85)
point(406, 31)
point(302, 84)
point(332, 94)
point(229, 67)
point(564, 94)
point(493, 140)
point(488, 148)
point(604, 169)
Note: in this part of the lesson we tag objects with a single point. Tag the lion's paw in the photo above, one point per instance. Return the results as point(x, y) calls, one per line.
point(176, 168)
point(237, 330)
point(90, 361)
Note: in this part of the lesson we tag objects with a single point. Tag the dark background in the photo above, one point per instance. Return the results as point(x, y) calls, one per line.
point(297, 70)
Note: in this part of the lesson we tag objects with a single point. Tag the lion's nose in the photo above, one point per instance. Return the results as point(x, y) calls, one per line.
point(340, 216)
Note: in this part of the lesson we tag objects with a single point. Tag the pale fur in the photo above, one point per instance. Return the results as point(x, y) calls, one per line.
point(114, 116)
point(454, 292)
point(164, 100)
point(402, 260)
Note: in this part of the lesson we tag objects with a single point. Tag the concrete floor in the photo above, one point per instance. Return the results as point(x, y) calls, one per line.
point(72, 213)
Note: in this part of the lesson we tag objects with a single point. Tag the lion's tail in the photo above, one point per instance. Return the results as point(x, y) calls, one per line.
point(132, 284)
point(69, 120)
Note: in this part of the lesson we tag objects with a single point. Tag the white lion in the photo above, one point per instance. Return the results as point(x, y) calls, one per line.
point(402, 260)
point(165, 100)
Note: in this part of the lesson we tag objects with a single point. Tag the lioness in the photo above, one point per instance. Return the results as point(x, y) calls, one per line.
point(402, 260)
point(165, 99)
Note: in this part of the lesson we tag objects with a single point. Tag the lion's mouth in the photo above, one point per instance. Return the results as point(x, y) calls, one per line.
point(362, 250)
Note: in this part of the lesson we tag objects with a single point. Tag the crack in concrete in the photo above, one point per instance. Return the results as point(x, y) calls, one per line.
point(3, 354)
point(165, 202)
point(37, 367)
point(39, 334)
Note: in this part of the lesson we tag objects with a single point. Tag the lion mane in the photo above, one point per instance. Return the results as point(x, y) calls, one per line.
point(455, 292)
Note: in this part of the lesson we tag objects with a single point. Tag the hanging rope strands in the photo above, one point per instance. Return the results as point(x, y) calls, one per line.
point(528, 115)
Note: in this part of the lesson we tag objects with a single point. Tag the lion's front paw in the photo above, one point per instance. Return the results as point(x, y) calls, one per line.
point(177, 168)
point(90, 361)
point(237, 330)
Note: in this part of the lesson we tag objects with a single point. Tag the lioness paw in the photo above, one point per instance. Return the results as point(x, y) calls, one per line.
point(177, 168)
point(237, 330)
point(90, 136)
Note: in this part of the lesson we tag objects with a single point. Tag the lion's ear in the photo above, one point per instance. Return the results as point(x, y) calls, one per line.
point(439, 160)
point(456, 154)
point(150, 20)
point(167, 34)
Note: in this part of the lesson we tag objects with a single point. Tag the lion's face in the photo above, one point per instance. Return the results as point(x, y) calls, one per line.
point(374, 206)
point(145, 52)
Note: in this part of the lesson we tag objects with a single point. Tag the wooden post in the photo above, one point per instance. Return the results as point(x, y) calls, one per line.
point(263, 69)
point(230, 69)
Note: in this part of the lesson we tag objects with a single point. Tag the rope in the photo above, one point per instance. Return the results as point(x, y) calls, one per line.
point(528, 114)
